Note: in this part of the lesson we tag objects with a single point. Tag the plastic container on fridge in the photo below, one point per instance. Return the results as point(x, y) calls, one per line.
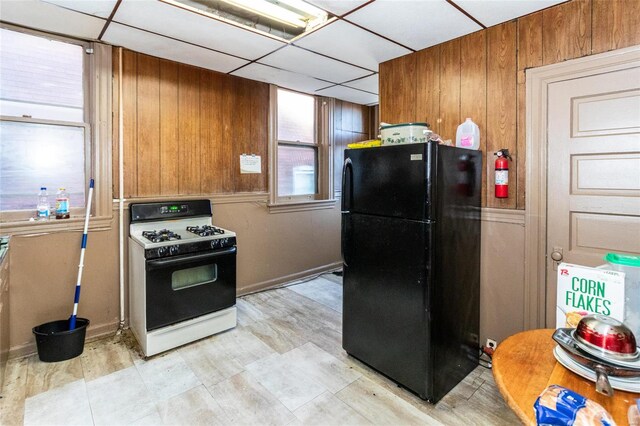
point(393, 134)
point(630, 265)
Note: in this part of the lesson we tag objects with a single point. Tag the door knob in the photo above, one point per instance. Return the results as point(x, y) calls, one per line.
point(556, 255)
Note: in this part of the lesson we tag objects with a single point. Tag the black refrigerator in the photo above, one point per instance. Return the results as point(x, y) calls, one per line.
point(411, 259)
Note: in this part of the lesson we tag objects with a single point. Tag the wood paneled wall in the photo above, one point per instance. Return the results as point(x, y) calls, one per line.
point(351, 123)
point(186, 127)
point(482, 76)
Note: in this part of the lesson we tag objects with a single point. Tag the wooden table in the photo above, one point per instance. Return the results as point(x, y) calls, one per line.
point(523, 365)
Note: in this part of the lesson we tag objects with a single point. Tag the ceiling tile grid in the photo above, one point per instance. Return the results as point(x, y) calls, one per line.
point(344, 41)
point(192, 27)
point(415, 24)
point(167, 48)
point(100, 8)
point(282, 78)
point(48, 17)
point(368, 84)
point(348, 94)
point(338, 7)
point(292, 58)
point(493, 12)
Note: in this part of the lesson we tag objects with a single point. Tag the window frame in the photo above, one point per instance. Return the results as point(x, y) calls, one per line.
point(97, 124)
point(323, 137)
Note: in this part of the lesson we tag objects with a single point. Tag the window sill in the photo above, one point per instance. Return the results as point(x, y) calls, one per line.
point(25, 227)
point(300, 206)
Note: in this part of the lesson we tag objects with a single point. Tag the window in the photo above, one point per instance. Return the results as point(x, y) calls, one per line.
point(299, 150)
point(47, 107)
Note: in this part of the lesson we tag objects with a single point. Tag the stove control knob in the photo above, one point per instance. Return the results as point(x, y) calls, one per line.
point(162, 251)
point(173, 250)
point(215, 243)
point(224, 242)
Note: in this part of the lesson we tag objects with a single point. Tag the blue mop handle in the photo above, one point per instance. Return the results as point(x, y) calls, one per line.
point(83, 246)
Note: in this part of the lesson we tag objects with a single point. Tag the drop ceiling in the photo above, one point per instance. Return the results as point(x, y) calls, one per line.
point(339, 59)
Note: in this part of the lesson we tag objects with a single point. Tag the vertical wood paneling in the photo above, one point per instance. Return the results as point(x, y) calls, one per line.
point(115, 58)
point(473, 93)
point(616, 24)
point(169, 148)
point(428, 87)
point(130, 126)
point(213, 179)
point(242, 132)
point(148, 126)
point(567, 31)
point(501, 105)
point(529, 56)
point(449, 89)
point(398, 86)
point(259, 137)
point(189, 129)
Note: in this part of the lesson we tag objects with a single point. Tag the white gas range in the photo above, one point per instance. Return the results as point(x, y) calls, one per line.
point(182, 274)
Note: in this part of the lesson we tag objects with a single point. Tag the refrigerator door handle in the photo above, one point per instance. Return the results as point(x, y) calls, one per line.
point(347, 165)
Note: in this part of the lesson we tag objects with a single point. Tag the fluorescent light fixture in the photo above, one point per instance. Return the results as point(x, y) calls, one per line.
point(283, 11)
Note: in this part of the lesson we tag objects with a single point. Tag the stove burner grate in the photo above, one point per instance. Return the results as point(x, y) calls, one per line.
point(161, 235)
point(205, 230)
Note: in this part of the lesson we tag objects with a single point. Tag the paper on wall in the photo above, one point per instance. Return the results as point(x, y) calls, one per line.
point(250, 164)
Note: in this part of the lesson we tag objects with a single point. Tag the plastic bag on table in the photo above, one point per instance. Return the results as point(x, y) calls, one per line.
point(559, 406)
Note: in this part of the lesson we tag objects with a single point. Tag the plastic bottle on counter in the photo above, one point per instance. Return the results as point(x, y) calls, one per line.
point(43, 204)
point(62, 204)
point(468, 135)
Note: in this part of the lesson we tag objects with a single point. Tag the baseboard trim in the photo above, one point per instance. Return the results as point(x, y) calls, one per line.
point(275, 282)
point(93, 333)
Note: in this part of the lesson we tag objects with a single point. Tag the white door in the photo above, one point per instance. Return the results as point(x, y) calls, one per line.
point(593, 176)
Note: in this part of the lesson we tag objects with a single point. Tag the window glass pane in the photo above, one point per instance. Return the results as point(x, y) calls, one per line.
point(40, 78)
point(296, 170)
point(296, 117)
point(35, 155)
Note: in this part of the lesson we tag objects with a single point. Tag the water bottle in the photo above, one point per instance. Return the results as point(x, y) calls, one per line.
point(43, 204)
point(468, 135)
point(62, 204)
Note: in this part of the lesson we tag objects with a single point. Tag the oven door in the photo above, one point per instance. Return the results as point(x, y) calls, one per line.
point(184, 287)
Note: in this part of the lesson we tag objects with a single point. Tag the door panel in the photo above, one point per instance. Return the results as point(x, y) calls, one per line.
point(593, 177)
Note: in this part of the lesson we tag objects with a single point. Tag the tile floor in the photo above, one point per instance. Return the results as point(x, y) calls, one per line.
point(282, 365)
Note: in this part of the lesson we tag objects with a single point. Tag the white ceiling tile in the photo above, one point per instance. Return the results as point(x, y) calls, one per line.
point(47, 17)
point(415, 24)
point(101, 8)
point(302, 61)
point(338, 7)
point(370, 84)
point(492, 12)
point(286, 79)
point(192, 27)
point(351, 44)
point(350, 95)
point(163, 47)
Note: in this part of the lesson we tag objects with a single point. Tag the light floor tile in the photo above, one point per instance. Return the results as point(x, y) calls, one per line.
point(128, 398)
point(321, 367)
point(246, 402)
point(193, 407)
point(248, 313)
point(64, 405)
point(292, 387)
point(224, 355)
point(322, 291)
point(278, 334)
point(167, 375)
point(42, 376)
point(382, 407)
point(14, 392)
point(152, 419)
point(326, 409)
point(105, 356)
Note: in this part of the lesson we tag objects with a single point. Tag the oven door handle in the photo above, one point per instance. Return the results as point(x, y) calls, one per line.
point(161, 263)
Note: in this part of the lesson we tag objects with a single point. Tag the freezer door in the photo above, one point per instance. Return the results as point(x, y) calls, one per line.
point(386, 279)
point(391, 181)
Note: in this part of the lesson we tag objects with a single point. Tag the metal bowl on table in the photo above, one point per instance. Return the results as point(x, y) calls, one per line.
point(606, 337)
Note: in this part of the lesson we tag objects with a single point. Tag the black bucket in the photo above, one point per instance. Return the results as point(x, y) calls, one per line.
point(56, 342)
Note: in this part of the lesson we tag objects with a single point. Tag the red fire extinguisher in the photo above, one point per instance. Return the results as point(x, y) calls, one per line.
point(502, 173)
